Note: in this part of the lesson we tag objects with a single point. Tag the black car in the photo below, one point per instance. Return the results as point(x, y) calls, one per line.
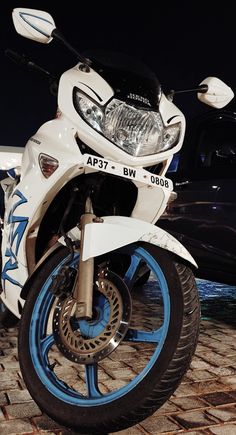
point(203, 217)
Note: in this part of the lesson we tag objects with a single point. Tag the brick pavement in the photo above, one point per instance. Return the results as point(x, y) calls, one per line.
point(205, 402)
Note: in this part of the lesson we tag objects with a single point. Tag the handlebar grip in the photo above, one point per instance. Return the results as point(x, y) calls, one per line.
point(23, 61)
point(16, 57)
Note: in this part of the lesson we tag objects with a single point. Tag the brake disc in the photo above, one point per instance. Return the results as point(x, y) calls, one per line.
point(89, 341)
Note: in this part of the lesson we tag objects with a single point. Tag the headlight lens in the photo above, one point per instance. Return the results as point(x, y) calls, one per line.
point(137, 132)
point(90, 111)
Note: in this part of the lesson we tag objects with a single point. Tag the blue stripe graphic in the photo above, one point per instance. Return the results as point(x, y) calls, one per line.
point(18, 225)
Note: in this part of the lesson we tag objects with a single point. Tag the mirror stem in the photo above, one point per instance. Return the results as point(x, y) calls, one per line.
point(56, 34)
point(201, 88)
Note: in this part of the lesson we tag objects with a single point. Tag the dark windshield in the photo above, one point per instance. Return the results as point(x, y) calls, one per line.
point(131, 79)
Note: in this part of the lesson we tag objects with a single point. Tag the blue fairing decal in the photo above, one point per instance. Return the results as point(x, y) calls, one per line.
point(18, 225)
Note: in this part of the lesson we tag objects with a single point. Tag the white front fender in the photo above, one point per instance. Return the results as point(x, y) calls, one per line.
point(117, 231)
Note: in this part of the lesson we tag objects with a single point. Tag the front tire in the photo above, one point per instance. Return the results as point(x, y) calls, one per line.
point(141, 373)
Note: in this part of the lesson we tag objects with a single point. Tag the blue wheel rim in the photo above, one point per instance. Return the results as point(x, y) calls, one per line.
point(40, 342)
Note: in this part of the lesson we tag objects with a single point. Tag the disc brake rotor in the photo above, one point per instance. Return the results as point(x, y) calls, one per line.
point(89, 341)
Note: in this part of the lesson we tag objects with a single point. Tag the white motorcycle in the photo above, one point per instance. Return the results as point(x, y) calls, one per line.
point(108, 302)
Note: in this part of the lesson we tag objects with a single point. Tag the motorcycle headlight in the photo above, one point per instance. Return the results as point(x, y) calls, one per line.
point(137, 132)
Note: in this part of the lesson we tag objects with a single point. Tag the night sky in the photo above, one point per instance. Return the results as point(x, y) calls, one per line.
point(182, 41)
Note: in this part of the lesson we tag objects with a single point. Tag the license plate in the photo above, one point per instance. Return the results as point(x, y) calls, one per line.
point(136, 174)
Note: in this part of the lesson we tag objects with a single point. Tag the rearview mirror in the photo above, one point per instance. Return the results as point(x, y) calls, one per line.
point(218, 94)
point(33, 24)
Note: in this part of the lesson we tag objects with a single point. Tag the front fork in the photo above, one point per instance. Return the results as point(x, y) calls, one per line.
point(83, 287)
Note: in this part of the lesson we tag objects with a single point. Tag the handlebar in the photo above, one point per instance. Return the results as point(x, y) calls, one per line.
point(24, 62)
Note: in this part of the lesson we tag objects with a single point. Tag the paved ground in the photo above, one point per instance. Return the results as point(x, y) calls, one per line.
point(205, 402)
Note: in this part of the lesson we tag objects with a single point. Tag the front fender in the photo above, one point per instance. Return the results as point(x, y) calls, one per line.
point(117, 231)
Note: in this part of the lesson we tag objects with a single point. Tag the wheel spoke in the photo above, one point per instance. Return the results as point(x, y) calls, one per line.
point(131, 272)
point(144, 336)
point(46, 344)
point(91, 371)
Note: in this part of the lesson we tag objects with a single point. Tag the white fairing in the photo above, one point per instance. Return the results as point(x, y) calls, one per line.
point(33, 24)
point(117, 231)
point(218, 94)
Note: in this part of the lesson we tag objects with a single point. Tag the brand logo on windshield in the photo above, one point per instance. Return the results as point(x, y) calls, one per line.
point(139, 98)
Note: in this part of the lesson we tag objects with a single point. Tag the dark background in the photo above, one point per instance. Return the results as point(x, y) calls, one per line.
point(182, 41)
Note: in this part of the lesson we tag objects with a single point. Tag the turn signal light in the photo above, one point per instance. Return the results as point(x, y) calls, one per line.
point(48, 164)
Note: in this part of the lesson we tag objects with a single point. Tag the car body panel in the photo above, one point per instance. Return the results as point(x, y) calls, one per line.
point(203, 217)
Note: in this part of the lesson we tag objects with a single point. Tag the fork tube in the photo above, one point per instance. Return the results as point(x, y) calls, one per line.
point(83, 289)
